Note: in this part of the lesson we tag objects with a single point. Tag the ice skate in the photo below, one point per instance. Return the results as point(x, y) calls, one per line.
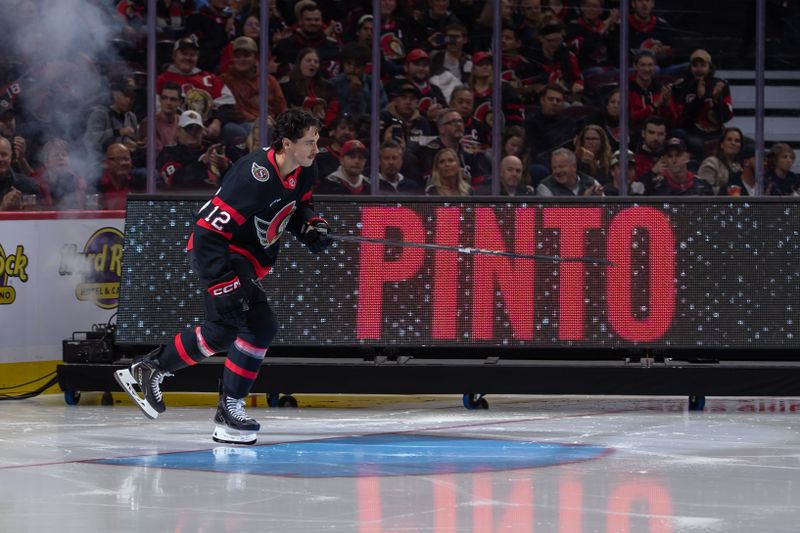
point(147, 376)
point(233, 424)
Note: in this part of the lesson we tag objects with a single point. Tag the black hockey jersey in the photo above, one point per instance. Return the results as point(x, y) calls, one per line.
point(250, 212)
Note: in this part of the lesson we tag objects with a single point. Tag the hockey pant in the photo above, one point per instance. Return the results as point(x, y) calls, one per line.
point(245, 341)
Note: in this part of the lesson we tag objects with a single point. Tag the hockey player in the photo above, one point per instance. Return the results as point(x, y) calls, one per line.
point(235, 242)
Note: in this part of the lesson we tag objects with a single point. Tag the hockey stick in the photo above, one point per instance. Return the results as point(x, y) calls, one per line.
point(469, 250)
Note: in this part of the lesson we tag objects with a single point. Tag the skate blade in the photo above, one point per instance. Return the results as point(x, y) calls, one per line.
point(227, 435)
point(126, 381)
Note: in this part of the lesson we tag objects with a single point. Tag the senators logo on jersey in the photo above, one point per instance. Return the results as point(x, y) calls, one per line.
point(260, 173)
point(270, 231)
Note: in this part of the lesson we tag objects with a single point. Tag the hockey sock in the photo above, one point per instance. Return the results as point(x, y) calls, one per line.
point(241, 367)
point(188, 348)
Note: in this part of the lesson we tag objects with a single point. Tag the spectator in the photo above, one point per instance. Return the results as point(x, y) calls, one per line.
point(517, 70)
point(203, 92)
point(116, 182)
point(483, 27)
point(187, 165)
point(213, 26)
point(115, 123)
point(511, 183)
point(12, 186)
point(349, 178)
point(476, 133)
point(530, 17)
point(309, 33)
point(330, 153)
point(394, 40)
point(609, 117)
point(594, 40)
point(559, 64)
point(167, 116)
point(593, 153)
point(305, 82)
point(19, 145)
point(548, 127)
point(649, 32)
point(565, 179)
point(705, 100)
point(719, 168)
point(431, 24)
point(402, 112)
point(648, 96)
point(635, 188)
point(745, 183)
point(452, 57)
point(390, 163)
point(515, 143)
point(475, 166)
point(352, 88)
point(651, 147)
point(60, 186)
point(480, 81)
point(243, 80)
point(251, 27)
point(418, 70)
point(363, 30)
point(673, 177)
point(780, 179)
point(448, 177)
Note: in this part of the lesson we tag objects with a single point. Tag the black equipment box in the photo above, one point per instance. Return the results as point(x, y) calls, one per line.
point(96, 346)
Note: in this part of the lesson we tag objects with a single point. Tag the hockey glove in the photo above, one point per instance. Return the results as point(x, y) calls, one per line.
point(314, 234)
point(228, 297)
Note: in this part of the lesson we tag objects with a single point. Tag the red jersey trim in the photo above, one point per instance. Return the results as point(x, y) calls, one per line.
point(203, 224)
point(260, 269)
point(290, 181)
point(237, 217)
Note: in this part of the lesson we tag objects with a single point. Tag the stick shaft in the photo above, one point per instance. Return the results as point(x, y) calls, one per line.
point(469, 250)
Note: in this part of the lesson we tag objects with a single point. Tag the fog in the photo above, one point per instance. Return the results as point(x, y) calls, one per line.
point(60, 53)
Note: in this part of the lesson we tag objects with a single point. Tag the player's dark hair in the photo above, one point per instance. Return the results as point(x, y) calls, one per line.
point(171, 86)
point(292, 124)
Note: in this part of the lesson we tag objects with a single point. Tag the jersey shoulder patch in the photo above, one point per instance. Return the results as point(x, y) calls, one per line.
point(259, 173)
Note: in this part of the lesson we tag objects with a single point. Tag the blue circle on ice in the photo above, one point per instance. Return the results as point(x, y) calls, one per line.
point(374, 455)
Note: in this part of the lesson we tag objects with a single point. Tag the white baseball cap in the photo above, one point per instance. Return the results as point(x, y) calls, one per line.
point(190, 117)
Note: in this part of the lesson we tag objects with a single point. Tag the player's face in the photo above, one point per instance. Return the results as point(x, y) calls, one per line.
point(304, 149)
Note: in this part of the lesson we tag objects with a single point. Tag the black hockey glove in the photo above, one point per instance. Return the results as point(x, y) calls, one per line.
point(228, 297)
point(314, 234)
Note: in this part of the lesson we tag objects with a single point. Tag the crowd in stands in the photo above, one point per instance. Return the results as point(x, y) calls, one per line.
point(560, 104)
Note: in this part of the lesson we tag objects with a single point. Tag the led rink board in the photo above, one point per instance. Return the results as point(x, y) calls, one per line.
point(716, 273)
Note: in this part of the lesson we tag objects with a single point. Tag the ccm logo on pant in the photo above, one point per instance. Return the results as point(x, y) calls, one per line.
point(225, 287)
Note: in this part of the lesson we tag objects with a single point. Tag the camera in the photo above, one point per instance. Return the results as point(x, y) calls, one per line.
point(442, 39)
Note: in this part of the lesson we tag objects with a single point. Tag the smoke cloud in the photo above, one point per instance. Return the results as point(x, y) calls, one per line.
point(60, 54)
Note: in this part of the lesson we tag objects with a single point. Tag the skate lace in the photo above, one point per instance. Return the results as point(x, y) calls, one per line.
point(158, 377)
point(236, 408)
